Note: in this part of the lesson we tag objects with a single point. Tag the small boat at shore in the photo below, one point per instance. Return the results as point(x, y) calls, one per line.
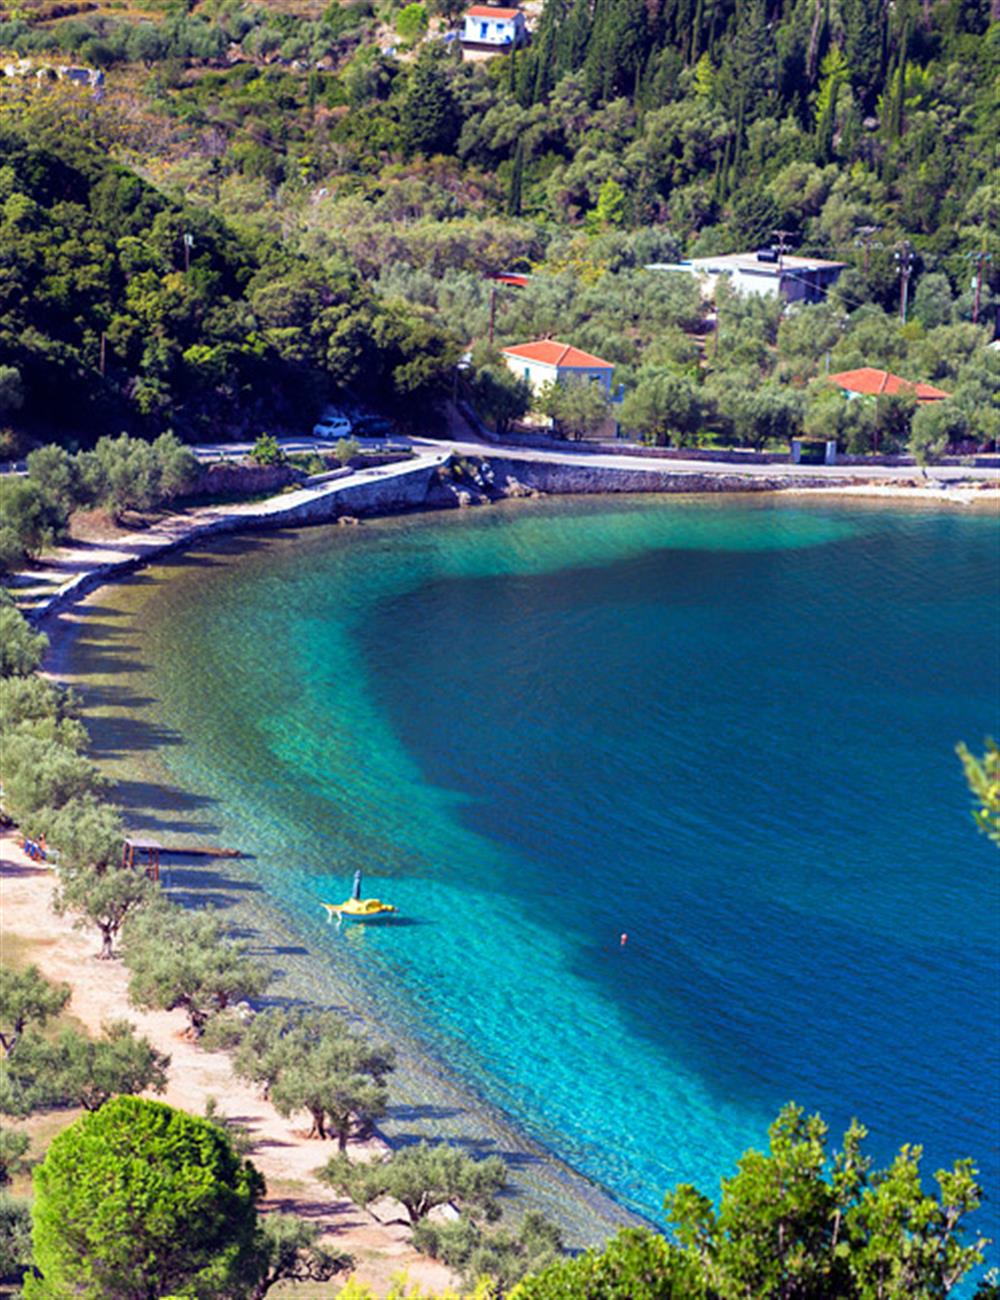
point(357, 908)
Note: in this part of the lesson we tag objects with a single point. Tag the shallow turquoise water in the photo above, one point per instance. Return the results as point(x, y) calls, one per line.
point(724, 729)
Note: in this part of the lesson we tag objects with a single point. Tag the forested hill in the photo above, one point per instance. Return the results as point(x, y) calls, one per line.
point(269, 203)
point(730, 93)
point(121, 307)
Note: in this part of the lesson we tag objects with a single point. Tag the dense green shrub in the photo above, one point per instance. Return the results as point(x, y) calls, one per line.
point(139, 1199)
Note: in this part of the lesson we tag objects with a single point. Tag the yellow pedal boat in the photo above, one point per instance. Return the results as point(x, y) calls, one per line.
point(357, 908)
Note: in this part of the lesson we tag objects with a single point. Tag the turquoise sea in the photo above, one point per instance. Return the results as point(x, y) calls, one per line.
point(724, 728)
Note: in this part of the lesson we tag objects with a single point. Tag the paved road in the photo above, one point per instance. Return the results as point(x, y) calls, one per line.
point(574, 454)
point(661, 464)
point(571, 454)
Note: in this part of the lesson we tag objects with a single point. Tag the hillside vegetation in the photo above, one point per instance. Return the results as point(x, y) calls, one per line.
point(262, 209)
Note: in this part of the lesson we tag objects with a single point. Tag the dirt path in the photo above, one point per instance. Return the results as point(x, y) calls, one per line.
point(284, 1156)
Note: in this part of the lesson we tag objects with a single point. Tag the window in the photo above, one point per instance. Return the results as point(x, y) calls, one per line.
point(483, 30)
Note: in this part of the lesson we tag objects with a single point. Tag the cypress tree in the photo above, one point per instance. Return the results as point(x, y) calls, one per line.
point(694, 52)
point(430, 119)
point(864, 45)
point(516, 181)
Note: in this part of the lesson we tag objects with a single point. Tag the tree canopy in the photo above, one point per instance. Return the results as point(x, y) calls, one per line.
point(136, 1200)
point(421, 1177)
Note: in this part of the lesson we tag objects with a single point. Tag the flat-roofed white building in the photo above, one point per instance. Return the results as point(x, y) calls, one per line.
point(795, 279)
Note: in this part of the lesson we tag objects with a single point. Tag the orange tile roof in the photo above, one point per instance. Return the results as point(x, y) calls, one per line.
point(489, 11)
point(549, 352)
point(874, 382)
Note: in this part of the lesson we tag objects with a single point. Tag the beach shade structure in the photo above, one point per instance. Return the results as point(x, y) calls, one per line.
point(150, 849)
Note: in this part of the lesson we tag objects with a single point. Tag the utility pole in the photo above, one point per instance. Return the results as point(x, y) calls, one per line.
point(782, 236)
point(980, 260)
point(904, 260)
point(493, 310)
point(188, 241)
point(864, 238)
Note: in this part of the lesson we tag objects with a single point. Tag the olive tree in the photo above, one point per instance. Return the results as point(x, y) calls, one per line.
point(579, 407)
point(314, 1061)
point(421, 1177)
point(663, 407)
point(15, 1237)
point(13, 1148)
point(287, 1249)
point(41, 709)
point(180, 958)
point(103, 899)
point(75, 1070)
point(86, 831)
point(21, 650)
point(41, 773)
point(26, 997)
point(501, 1254)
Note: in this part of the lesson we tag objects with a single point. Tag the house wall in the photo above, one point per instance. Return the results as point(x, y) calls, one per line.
point(492, 31)
point(537, 374)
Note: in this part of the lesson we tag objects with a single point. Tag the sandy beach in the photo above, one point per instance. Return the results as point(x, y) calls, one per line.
point(280, 1150)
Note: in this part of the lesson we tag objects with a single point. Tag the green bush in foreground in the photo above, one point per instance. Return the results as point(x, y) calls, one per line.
point(791, 1223)
point(139, 1200)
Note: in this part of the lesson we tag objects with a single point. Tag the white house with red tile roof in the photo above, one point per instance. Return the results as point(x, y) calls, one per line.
point(869, 382)
point(546, 360)
point(488, 27)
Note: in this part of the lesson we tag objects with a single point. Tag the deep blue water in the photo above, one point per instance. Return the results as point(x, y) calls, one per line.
point(726, 730)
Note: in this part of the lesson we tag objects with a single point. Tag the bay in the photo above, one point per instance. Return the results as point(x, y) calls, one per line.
point(722, 728)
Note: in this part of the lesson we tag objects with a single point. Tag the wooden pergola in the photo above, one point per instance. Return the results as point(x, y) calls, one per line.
point(150, 849)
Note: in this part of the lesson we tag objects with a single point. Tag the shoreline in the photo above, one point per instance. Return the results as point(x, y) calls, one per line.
point(417, 486)
point(66, 613)
point(285, 1157)
point(540, 1177)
